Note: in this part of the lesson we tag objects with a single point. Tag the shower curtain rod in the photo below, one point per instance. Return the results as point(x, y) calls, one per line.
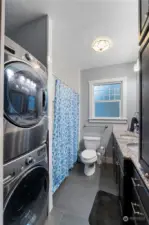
point(64, 83)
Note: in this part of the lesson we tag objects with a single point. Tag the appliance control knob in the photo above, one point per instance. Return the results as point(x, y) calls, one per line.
point(29, 160)
point(28, 56)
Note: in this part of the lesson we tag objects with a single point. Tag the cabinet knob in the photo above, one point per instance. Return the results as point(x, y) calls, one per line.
point(125, 218)
point(147, 175)
point(29, 160)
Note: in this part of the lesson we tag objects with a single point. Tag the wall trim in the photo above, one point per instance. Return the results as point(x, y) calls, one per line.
point(111, 121)
point(2, 35)
point(51, 85)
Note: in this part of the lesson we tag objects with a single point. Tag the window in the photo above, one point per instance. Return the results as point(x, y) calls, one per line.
point(108, 99)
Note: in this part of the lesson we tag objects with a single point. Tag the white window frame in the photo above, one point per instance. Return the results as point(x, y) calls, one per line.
point(123, 109)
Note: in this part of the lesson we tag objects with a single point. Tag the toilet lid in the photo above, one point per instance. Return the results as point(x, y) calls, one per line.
point(89, 154)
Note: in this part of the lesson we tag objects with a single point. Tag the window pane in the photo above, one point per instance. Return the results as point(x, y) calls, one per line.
point(106, 97)
point(117, 97)
point(111, 97)
point(107, 92)
point(107, 109)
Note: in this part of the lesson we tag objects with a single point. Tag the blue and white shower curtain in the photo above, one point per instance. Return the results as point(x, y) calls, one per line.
point(65, 132)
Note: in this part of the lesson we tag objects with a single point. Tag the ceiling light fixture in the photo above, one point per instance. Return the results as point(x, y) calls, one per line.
point(101, 44)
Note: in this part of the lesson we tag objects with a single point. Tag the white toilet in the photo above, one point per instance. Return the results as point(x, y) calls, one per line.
point(89, 155)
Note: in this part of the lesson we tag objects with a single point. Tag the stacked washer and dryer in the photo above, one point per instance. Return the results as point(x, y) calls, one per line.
point(26, 177)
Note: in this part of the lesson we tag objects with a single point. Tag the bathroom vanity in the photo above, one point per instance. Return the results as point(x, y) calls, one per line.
point(133, 185)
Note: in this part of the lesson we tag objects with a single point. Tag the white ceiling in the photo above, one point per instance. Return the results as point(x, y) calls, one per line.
point(76, 23)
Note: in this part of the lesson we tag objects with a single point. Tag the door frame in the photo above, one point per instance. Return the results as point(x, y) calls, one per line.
point(2, 32)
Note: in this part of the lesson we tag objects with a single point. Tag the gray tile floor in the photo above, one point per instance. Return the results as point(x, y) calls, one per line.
point(74, 199)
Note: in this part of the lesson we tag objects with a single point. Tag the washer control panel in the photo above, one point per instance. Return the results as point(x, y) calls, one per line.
point(15, 167)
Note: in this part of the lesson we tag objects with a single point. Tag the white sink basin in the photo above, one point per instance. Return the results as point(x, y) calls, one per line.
point(133, 146)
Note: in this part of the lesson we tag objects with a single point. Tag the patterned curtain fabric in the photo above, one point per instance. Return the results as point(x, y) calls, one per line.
point(65, 132)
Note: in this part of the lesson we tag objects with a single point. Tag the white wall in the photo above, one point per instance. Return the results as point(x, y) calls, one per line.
point(120, 70)
point(33, 37)
point(64, 67)
point(2, 22)
point(68, 75)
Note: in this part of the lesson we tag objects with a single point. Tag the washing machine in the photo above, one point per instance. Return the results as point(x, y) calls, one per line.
point(26, 185)
point(25, 102)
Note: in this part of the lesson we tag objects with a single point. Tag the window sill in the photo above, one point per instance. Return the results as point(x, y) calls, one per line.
point(108, 120)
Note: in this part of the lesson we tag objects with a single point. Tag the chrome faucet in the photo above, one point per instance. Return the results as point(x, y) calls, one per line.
point(136, 128)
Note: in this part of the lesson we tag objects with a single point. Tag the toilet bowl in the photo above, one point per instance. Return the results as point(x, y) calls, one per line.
point(89, 155)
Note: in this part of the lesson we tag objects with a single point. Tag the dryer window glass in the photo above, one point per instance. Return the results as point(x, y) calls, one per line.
point(31, 103)
point(24, 88)
point(17, 100)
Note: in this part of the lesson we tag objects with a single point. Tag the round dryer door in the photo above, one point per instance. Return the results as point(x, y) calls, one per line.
point(25, 97)
point(28, 199)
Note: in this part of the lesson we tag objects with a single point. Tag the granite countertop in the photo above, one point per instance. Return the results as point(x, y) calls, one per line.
point(121, 129)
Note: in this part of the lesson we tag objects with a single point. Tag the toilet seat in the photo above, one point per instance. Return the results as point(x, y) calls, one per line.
point(89, 154)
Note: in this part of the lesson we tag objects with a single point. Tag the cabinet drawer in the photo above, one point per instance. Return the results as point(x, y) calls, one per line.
point(138, 215)
point(141, 191)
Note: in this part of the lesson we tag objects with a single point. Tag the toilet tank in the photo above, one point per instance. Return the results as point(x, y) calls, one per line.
point(91, 142)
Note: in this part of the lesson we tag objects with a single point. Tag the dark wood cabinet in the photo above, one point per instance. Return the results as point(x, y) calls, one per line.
point(121, 185)
point(133, 193)
point(138, 217)
point(120, 174)
point(144, 4)
point(144, 106)
point(144, 83)
point(139, 199)
point(140, 193)
point(143, 18)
